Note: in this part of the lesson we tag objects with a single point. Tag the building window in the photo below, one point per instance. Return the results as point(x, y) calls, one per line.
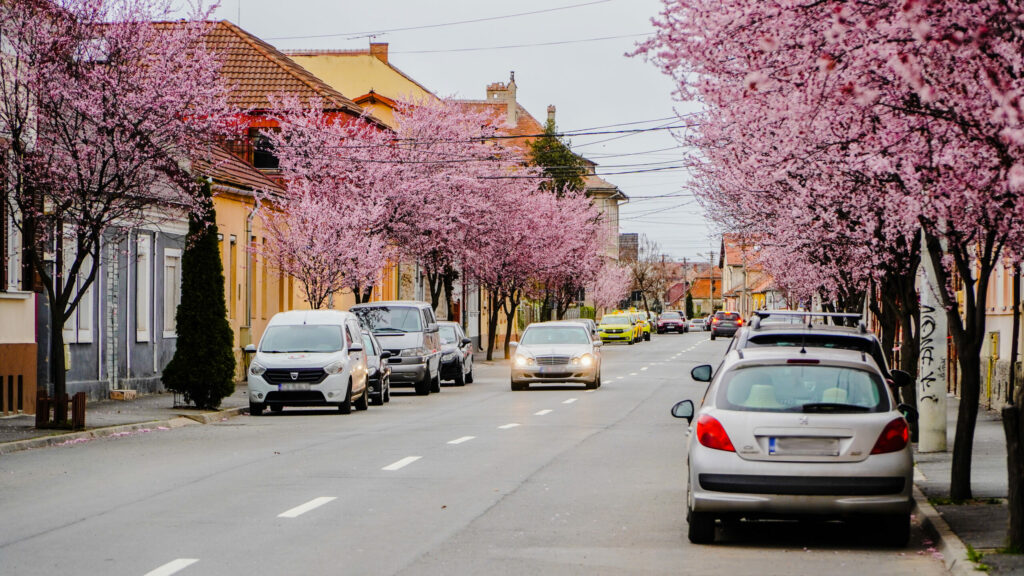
point(10, 250)
point(263, 156)
point(172, 291)
point(232, 277)
point(264, 280)
point(78, 327)
point(143, 286)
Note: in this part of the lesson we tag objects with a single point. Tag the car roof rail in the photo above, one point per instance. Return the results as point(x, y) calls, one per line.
point(810, 316)
point(755, 324)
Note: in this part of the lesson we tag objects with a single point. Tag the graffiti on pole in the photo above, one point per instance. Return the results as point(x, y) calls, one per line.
point(933, 361)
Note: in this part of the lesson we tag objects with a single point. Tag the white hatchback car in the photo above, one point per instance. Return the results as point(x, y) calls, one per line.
point(798, 433)
point(309, 358)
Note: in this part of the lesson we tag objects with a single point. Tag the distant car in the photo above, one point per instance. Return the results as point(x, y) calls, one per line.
point(592, 326)
point(552, 352)
point(798, 433)
point(672, 321)
point(725, 324)
point(618, 328)
point(707, 322)
point(308, 358)
point(456, 354)
point(378, 370)
point(695, 324)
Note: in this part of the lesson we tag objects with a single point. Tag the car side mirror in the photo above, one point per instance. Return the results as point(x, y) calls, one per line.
point(901, 378)
point(683, 409)
point(701, 373)
point(432, 327)
point(513, 344)
point(466, 341)
point(355, 348)
point(909, 412)
point(249, 349)
point(385, 355)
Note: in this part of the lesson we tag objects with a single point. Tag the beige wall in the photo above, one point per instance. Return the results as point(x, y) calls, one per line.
point(18, 311)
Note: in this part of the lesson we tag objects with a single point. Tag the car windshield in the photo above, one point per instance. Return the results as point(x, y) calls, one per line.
point(802, 388)
point(670, 316)
point(303, 338)
point(390, 318)
point(615, 320)
point(448, 335)
point(555, 335)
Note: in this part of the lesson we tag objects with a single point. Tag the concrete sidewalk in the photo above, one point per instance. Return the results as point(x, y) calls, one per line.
point(981, 523)
point(116, 417)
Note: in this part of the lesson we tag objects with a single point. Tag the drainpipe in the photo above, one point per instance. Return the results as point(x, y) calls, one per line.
point(248, 274)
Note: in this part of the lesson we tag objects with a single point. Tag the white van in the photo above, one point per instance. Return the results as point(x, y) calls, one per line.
point(309, 358)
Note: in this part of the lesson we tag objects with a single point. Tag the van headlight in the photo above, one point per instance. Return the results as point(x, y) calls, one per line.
point(448, 356)
point(415, 352)
point(335, 367)
point(256, 369)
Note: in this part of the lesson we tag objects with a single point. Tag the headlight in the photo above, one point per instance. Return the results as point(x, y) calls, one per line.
point(415, 352)
point(371, 370)
point(335, 367)
point(448, 356)
point(587, 360)
point(522, 360)
point(256, 368)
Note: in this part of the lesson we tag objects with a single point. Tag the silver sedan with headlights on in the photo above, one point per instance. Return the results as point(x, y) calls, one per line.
point(554, 352)
point(796, 433)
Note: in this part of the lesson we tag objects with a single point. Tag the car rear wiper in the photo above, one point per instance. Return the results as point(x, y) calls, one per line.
point(834, 407)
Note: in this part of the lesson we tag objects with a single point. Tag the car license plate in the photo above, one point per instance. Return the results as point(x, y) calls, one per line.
point(296, 386)
point(803, 446)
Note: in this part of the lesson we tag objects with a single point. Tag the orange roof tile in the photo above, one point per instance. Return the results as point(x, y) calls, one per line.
point(526, 126)
point(699, 288)
point(227, 169)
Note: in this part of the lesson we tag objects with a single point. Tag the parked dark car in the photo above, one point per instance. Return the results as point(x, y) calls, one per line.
point(378, 371)
point(407, 329)
point(672, 321)
point(456, 354)
point(725, 324)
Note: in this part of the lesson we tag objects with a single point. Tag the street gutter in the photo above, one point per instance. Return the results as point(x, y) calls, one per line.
point(947, 543)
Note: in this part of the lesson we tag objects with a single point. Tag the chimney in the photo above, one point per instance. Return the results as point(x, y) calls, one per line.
point(380, 50)
point(498, 92)
point(551, 113)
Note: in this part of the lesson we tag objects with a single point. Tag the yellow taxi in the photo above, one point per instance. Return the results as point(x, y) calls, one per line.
point(618, 326)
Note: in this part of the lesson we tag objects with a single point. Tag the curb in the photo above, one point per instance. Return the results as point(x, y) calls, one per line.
point(178, 421)
point(953, 550)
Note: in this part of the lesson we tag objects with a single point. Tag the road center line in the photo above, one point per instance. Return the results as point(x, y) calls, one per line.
point(300, 510)
point(644, 368)
point(461, 440)
point(632, 373)
point(507, 426)
point(569, 401)
point(401, 463)
point(542, 412)
point(172, 567)
point(619, 377)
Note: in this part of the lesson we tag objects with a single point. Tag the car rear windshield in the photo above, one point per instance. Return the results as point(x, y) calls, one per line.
point(448, 335)
point(727, 316)
point(802, 388)
point(616, 320)
point(305, 338)
point(555, 335)
point(670, 315)
point(390, 318)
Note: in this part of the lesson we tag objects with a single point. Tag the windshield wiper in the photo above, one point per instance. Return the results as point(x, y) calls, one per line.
point(391, 328)
point(834, 407)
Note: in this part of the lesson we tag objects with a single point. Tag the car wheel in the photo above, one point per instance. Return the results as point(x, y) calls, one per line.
point(346, 405)
point(277, 409)
point(386, 390)
point(647, 337)
point(701, 527)
point(469, 375)
point(435, 384)
point(632, 341)
point(363, 402)
point(596, 383)
point(423, 386)
point(516, 386)
point(712, 334)
point(256, 408)
point(460, 376)
point(377, 399)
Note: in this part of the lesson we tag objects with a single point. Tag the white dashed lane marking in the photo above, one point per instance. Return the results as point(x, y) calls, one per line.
point(172, 567)
point(632, 373)
point(507, 426)
point(461, 440)
point(644, 368)
point(401, 463)
point(300, 510)
point(619, 377)
point(543, 413)
point(569, 401)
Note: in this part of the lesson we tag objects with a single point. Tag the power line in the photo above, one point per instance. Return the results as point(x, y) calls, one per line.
point(529, 45)
point(442, 24)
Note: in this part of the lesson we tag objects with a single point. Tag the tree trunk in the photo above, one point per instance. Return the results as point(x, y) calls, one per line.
point(493, 310)
point(448, 279)
point(511, 304)
point(969, 360)
point(435, 280)
point(1013, 427)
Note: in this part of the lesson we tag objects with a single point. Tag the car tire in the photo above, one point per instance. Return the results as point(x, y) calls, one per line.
point(596, 383)
point(423, 386)
point(435, 384)
point(632, 341)
point(256, 408)
point(647, 337)
point(364, 400)
point(469, 375)
point(460, 376)
point(712, 334)
point(346, 405)
point(700, 527)
point(516, 386)
point(377, 399)
point(386, 390)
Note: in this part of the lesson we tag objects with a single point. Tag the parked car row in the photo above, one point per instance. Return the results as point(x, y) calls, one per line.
point(354, 358)
point(799, 420)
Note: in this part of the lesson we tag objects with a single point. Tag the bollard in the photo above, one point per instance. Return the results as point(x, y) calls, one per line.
point(42, 410)
point(60, 409)
point(78, 411)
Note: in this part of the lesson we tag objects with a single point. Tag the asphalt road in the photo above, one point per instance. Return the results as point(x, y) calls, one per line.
point(472, 481)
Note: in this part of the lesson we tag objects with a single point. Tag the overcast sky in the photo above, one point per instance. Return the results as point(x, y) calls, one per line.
point(593, 84)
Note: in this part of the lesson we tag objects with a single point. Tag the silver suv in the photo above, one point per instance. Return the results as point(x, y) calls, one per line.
point(408, 330)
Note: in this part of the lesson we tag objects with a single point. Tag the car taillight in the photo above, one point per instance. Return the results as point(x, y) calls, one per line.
point(711, 434)
point(714, 320)
point(893, 438)
point(739, 321)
